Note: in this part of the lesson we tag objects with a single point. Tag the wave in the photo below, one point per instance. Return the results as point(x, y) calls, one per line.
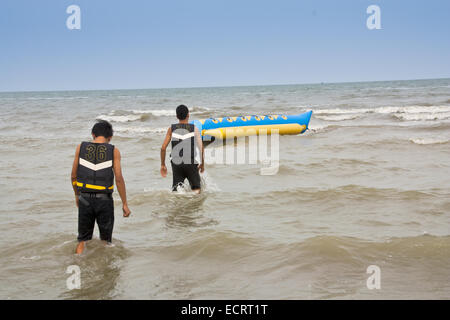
point(139, 130)
point(428, 141)
point(306, 253)
point(405, 113)
point(408, 113)
point(341, 117)
point(438, 126)
point(213, 244)
point(156, 113)
point(423, 116)
point(170, 112)
point(347, 249)
point(345, 192)
point(142, 115)
point(384, 110)
point(313, 127)
point(124, 118)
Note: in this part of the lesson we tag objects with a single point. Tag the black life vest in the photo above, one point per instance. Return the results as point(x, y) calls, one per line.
point(95, 168)
point(184, 149)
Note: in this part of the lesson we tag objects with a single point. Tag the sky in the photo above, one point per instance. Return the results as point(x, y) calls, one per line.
point(204, 43)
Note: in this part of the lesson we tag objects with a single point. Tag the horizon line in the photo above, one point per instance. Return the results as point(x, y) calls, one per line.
point(224, 86)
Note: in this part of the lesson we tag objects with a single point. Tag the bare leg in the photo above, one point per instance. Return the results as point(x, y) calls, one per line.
point(197, 191)
point(80, 247)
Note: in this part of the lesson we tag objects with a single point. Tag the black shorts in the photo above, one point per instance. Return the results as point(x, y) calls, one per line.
point(92, 209)
point(183, 171)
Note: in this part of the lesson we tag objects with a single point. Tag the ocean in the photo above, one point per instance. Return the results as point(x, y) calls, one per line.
point(367, 185)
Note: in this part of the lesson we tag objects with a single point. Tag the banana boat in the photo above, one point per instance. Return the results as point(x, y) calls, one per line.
point(243, 126)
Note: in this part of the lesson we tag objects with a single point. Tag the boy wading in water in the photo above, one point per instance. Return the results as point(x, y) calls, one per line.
point(95, 165)
point(185, 138)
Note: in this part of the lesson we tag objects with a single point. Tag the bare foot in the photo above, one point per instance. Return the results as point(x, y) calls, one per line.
point(80, 247)
point(107, 243)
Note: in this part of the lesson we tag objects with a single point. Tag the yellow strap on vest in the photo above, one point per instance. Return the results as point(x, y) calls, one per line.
point(92, 186)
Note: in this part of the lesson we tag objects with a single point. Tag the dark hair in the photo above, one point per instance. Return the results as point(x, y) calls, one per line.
point(102, 129)
point(182, 112)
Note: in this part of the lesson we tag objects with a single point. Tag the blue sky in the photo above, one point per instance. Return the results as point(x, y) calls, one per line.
point(196, 43)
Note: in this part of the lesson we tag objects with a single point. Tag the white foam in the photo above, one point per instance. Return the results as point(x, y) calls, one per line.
point(317, 127)
point(183, 189)
point(198, 109)
point(412, 109)
point(207, 182)
point(207, 185)
point(168, 112)
point(423, 116)
point(139, 130)
point(156, 113)
point(125, 118)
point(343, 111)
point(428, 141)
point(340, 117)
point(385, 110)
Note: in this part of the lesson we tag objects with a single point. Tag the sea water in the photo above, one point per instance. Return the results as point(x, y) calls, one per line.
point(367, 184)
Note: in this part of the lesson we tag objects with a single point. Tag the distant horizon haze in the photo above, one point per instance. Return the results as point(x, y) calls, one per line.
point(228, 86)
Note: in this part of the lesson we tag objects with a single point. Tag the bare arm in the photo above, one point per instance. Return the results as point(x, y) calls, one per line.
point(73, 175)
point(120, 182)
point(163, 152)
point(198, 137)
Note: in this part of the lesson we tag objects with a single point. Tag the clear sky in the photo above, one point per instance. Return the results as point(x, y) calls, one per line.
point(191, 43)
